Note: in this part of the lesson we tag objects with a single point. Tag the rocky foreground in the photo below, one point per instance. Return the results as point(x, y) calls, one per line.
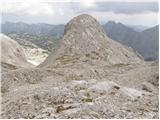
point(89, 76)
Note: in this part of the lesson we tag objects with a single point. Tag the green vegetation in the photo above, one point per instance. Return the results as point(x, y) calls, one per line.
point(87, 100)
point(120, 65)
point(8, 66)
point(49, 43)
point(67, 59)
point(93, 55)
point(73, 77)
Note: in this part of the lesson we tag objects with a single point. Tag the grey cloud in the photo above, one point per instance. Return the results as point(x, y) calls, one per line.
point(119, 7)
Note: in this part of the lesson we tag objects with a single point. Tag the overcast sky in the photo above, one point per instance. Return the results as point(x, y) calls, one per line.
point(133, 12)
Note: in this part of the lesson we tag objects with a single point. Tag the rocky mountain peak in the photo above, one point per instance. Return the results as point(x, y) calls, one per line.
point(81, 23)
point(83, 34)
point(85, 40)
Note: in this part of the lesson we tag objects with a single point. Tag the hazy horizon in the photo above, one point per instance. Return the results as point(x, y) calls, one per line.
point(128, 25)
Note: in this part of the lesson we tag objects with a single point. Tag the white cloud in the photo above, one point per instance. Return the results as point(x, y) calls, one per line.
point(88, 3)
point(30, 7)
point(118, 0)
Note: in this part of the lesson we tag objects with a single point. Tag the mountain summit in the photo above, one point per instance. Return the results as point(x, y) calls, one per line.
point(84, 40)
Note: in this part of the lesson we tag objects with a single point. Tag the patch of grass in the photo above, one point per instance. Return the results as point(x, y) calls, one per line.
point(93, 55)
point(8, 66)
point(87, 55)
point(60, 109)
point(117, 87)
point(96, 53)
point(120, 65)
point(67, 59)
point(36, 97)
point(73, 77)
point(3, 90)
point(87, 100)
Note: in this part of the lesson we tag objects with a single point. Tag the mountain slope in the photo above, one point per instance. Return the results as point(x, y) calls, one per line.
point(145, 42)
point(119, 32)
point(149, 43)
point(12, 54)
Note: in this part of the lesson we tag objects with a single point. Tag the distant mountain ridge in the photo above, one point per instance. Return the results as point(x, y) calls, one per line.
point(38, 29)
point(138, 28)
point(145, 42)
point(119, 32)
